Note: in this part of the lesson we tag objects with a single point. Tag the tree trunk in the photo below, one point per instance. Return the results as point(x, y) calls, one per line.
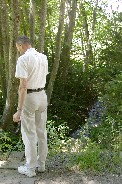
point(12, 82)
point(94, 17)
point(32, 21)
point(87, 43)
point(94, 24)
point(24, 17)
point(2, 65)
point(42, 16)
point(88, 37)
point(57, 52)
point(5, 42)
point(69, 29)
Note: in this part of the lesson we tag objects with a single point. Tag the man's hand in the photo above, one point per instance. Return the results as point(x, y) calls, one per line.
point(22, 93)
point(16, 116)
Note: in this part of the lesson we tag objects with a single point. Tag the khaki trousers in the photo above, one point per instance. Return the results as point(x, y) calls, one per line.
point(33, 128)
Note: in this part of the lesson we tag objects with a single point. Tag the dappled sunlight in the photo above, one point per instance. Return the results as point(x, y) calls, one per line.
point(3, 163)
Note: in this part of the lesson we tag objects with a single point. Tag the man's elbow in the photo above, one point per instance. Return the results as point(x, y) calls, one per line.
point(23, 88)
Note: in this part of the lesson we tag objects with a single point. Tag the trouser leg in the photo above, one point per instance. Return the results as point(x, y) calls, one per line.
point(40, 120)
point(28, 130)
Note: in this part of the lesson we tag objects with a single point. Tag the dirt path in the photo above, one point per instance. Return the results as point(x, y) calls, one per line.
point(56, 173)
point(11, 176)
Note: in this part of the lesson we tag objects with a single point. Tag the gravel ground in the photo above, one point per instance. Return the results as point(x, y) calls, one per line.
point(56, 173)
point(8, 176)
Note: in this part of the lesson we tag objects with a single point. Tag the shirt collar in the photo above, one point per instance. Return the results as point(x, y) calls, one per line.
point(30, 50)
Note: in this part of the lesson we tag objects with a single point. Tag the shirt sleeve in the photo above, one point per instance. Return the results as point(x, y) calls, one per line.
point(46, 65)
point(21, 69)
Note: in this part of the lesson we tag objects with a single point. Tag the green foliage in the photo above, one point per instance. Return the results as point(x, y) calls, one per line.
point(94, 160)
point(88, 159)
point(108, 132)
point(102, 153)
point(113, 96)
point(10, 142)
point(73, 98)
point(71, 101)
point(56, 136)
point(88, 156)
point(82, 153)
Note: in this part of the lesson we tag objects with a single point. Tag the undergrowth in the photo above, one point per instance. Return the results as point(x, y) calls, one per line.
point(83, 153)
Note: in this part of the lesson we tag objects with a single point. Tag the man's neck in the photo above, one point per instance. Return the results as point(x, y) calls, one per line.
point(26, 48)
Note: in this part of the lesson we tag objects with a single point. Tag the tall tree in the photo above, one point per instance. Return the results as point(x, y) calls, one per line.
point(69, 29)
point(5, 44)
point(12, 87)
point(57, 51)
point(42, 18)
point(88, 35)
point(32, 21)
point(2, 65)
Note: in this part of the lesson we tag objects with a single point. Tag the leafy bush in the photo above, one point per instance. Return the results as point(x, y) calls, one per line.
point(56, 136)
point(113, 96)
point(72, 98)
point(94, 160)
point(10, 142)
point(108, 133)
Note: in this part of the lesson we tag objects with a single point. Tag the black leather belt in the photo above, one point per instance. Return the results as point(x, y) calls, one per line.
point(34, 90)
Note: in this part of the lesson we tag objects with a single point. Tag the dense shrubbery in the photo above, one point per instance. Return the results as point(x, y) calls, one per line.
point(71, 101)
point(108, 133)
point(9, 142)
point(94, 160)
point(84, 153)
point(56, 137)
point(73, 98)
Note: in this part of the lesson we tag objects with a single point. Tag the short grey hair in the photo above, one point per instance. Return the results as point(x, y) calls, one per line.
point(23, 40)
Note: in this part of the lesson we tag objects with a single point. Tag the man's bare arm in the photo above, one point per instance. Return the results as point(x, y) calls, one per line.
point(22, 92)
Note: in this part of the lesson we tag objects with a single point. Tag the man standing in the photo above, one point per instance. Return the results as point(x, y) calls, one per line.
point(31, 69)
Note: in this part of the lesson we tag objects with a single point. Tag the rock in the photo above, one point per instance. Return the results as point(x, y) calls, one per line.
point(15, 159)
point(16, 156)
point(93, 182)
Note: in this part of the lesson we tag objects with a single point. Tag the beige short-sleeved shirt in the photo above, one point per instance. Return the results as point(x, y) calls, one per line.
point(33, 66)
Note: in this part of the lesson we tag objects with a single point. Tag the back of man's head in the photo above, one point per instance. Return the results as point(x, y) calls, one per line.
point(23, 40)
